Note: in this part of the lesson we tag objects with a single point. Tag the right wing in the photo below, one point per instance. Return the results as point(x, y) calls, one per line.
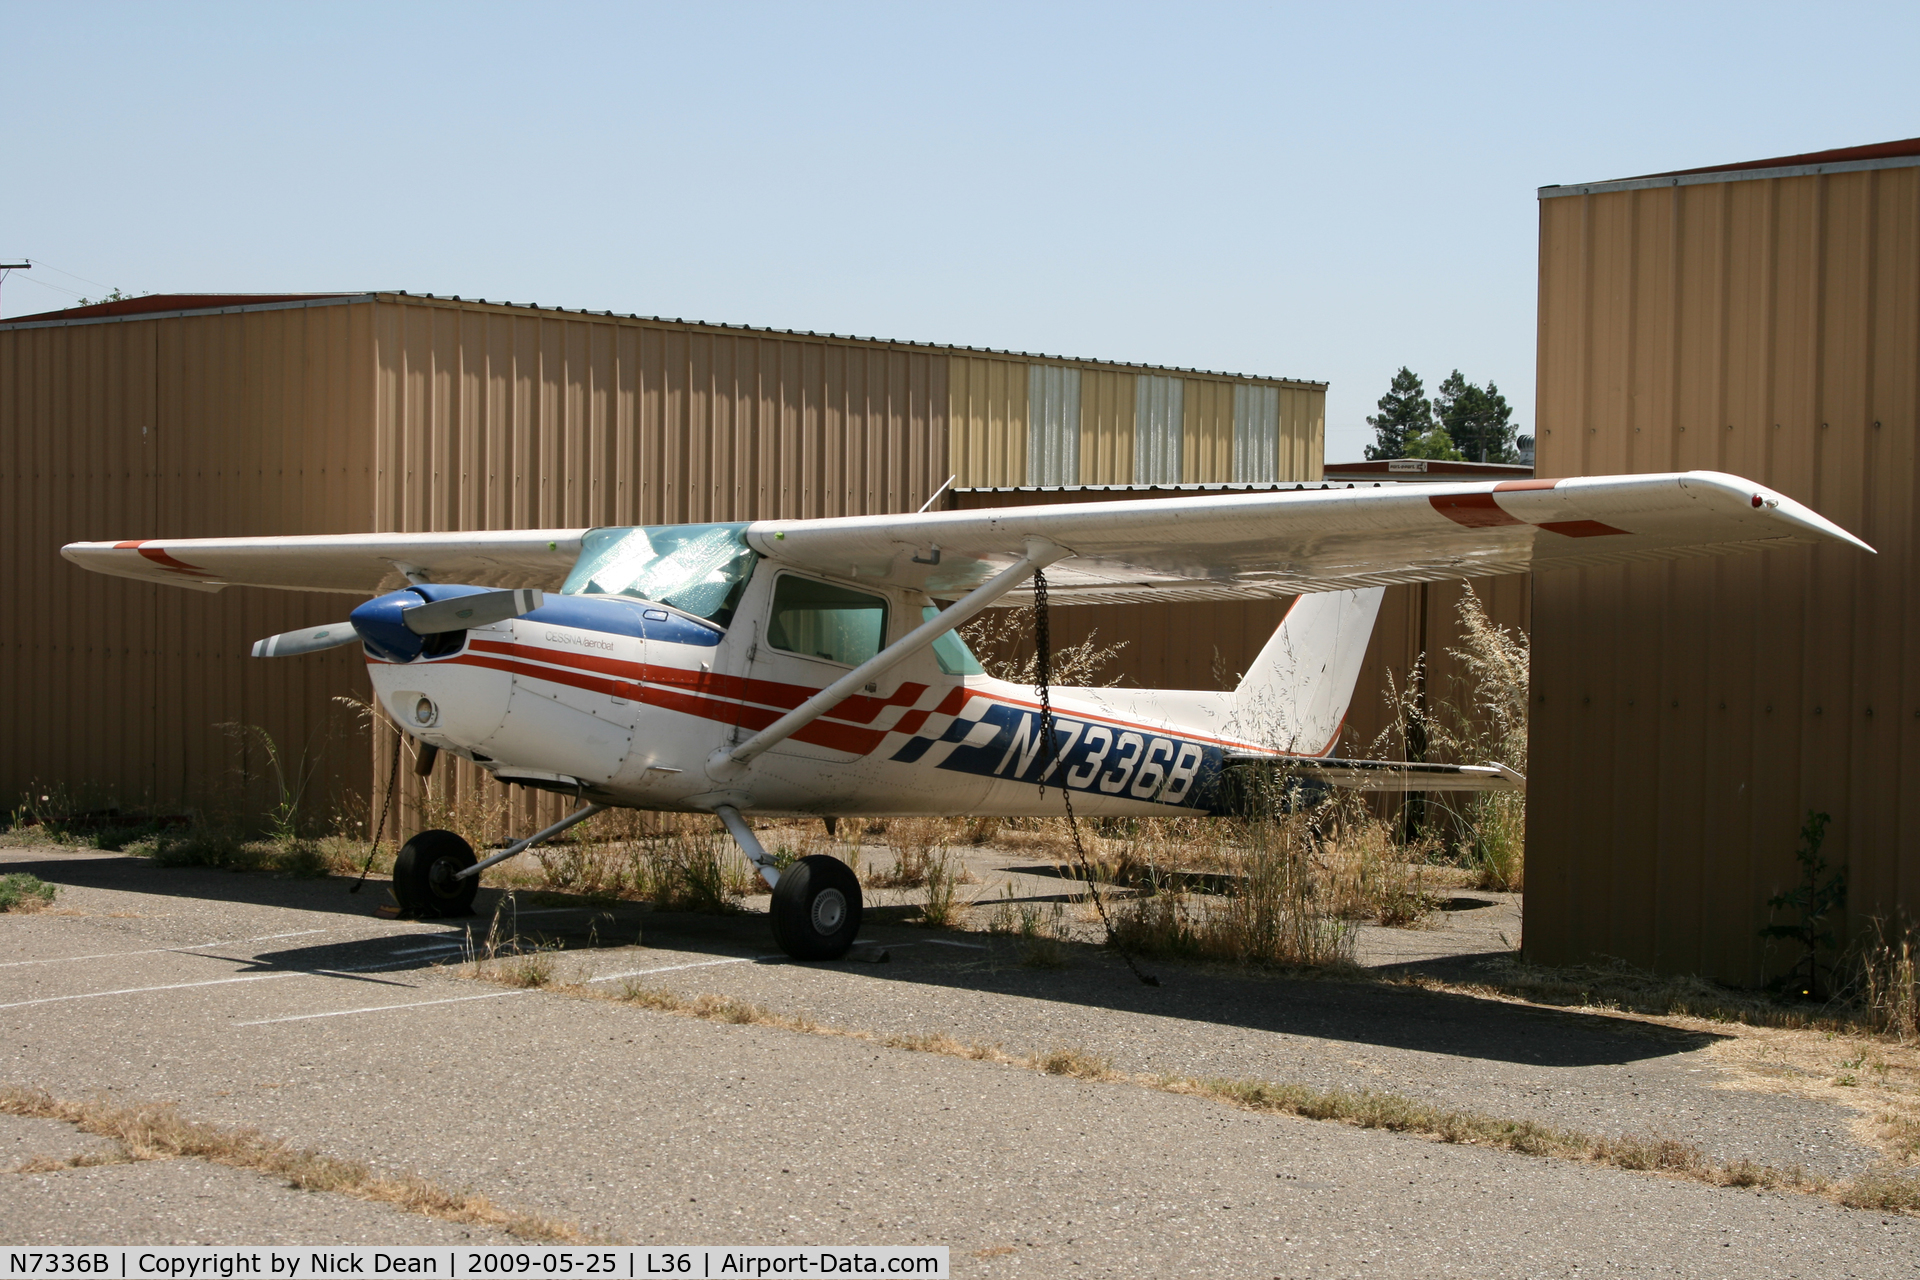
point(1287, 542)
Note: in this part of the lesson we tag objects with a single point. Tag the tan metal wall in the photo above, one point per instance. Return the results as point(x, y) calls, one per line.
point(196, 426)
point(1686, 716)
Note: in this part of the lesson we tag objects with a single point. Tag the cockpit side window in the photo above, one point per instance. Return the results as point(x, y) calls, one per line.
point(822, 620)
point(700, 569)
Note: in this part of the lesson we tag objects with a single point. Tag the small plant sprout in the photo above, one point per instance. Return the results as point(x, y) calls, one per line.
point(1816, 898)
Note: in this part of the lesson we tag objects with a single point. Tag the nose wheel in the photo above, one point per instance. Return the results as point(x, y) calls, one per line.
point(816, 908)
point(426, 875)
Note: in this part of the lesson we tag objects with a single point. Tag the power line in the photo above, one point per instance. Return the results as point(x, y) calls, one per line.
point(44, 265)
point(57, 288)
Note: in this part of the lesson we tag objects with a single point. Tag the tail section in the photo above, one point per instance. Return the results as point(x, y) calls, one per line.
point(1294, 697)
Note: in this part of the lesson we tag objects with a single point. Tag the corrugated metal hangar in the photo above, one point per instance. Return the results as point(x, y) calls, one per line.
point(208, 416)
point(1764, 319)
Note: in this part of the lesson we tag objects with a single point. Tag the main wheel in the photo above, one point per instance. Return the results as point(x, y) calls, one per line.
point(423, 875)
point(816, 908)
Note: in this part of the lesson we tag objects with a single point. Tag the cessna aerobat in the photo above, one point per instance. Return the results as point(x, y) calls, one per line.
point(811, 667)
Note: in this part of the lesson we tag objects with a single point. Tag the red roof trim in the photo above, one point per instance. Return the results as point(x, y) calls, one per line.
point(1872, 151)
point(172, 302)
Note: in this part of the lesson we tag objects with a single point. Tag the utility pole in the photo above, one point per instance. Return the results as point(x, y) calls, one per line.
point(8, 268)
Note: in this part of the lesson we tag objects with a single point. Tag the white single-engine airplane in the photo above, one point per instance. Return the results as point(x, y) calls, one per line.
point(807, 667)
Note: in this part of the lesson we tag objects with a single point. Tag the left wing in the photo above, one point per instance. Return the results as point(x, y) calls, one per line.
point(362, 564)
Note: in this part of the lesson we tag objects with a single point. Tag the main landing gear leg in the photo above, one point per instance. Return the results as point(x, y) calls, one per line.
point(436, 873)
point(816, 901)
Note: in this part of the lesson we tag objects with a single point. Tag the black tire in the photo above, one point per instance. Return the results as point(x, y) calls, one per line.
point(423, 875)
point(816, 908)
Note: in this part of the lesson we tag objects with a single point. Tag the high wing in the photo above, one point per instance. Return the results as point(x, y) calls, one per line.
point(1212, 547)
point(361, 564)
point(1231, 546)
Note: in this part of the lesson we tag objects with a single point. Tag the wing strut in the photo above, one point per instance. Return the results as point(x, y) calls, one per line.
point(727, 763)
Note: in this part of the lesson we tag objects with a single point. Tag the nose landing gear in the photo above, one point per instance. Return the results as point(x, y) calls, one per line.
point(426, 875)
point(436, 873)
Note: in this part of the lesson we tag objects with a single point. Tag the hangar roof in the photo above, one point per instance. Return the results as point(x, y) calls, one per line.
point(1900, 154)
point(159, 305)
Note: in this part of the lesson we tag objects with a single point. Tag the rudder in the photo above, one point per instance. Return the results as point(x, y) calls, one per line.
point(1294, 697)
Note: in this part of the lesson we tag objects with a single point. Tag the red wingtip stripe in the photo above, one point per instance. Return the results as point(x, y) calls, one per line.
point(160, 558)
point(1474, 510)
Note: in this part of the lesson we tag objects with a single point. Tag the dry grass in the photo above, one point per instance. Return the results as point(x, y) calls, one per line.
point(1273, 909)
point(1082, 1064)
point(1890, 991)
point(1882, 1190)
point(1003, 641)
point(1042, 928)
point(918, 844)
point(1369, 875)
point(1618, 987)
point(85, 1160)
point(160, 1132)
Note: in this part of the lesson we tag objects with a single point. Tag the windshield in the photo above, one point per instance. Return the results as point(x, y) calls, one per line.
point(699, 569)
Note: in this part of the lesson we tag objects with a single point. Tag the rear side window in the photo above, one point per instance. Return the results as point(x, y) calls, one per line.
point(822, 620)
point(951, 652)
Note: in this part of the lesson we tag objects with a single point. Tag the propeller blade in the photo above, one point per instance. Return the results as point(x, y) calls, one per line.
point(479, 610)
point(312, 640)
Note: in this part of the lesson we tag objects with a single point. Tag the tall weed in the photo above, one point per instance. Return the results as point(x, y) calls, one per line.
point(1480, 719)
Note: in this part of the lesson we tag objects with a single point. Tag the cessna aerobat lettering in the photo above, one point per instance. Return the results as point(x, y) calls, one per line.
point(792, 667)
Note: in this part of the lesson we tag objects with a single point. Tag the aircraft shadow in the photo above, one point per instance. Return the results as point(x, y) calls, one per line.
point(1354, 1011)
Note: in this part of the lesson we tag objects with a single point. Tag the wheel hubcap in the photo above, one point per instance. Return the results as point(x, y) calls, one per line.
point(440, 878)
point(829, 911)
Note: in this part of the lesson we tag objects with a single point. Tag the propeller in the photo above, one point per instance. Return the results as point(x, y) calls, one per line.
point(462, 612)
point(312, 640)
point(456, 613)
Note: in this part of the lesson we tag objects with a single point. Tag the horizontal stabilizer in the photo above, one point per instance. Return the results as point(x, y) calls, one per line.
point(461, 612)
point(312, 640)
point(1392, 775)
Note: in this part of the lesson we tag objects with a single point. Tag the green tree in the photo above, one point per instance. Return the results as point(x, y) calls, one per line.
point(1479, 419)
point(1405, 411)
point(1433, 443)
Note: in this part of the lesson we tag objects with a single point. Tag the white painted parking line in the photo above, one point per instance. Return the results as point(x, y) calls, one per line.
point(942, 942)
point(438, 946)
point(154, 951)
point(548, 911)
point(210, 982)
point(171, 986)
point(379, 1008)
point(670, 968)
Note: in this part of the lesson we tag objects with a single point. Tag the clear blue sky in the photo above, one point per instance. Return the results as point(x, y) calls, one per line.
point(1320, 191)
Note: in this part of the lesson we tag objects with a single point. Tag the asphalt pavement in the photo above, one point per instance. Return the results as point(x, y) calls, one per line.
point(287, 1006)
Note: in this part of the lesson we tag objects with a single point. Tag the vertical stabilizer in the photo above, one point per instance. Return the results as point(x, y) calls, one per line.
point(1294, 697)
